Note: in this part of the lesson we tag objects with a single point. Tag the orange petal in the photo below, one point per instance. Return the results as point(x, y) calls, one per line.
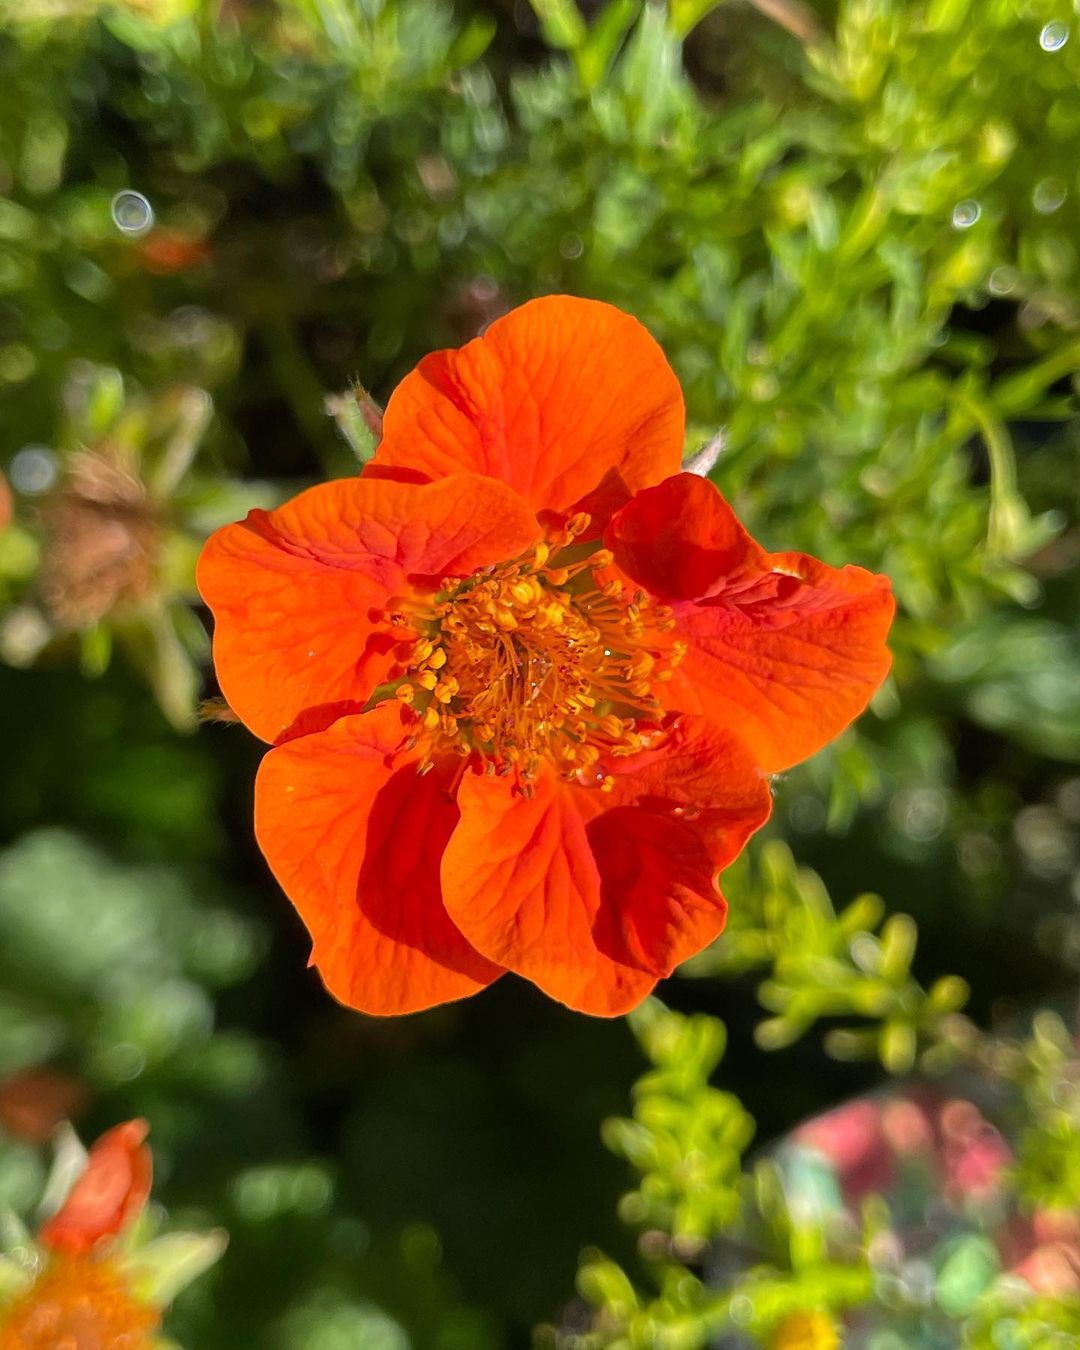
point(109, 1194)
point(595, 896)
point(355, 836)
point(783, 649)
point(569, 401)
point(297, 592)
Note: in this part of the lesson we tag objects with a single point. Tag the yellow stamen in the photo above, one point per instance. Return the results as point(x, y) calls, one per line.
point(527, 663)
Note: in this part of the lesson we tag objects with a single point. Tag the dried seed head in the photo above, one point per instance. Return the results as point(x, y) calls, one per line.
point(102, 540)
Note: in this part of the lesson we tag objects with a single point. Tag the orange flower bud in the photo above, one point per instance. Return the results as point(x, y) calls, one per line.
point(108, 1196)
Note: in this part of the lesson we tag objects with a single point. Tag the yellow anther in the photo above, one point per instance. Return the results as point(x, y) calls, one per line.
point(430, 718)
point(405, 693)
point(437, 659)
point(445, 690)
point(602, 558)
point(427, 679)
point(525, 592)
point(578, 524)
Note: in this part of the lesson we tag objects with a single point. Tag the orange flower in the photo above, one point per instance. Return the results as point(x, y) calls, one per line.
point(87, 1281)
point(524, 679)
point(109, 1194)
point(81, 1296)
point(79, 1302)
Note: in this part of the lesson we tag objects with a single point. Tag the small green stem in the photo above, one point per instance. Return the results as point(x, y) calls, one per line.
point(1007, 508)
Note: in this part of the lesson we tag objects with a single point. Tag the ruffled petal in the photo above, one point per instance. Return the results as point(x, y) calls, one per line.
point(298, 593)
point(782, 649)
point(355, 836)
point(595, 896)
point(569, 401)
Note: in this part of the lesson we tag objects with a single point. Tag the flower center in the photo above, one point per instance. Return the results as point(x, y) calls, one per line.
point(540, 660)
point(78, 1301)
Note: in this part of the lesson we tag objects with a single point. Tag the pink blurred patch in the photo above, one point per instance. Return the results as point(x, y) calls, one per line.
point(854, 1140)
point(907, 1127)
point(975, 1154)
point(1053, 1269)
point(1056, 1225)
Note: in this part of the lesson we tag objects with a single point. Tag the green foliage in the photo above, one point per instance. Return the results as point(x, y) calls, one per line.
point(1047, 1068)
point(827, 965)
point(1017, 674)
point(686, 1138)
point(134, 998)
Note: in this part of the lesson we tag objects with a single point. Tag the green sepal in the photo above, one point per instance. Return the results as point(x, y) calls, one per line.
point(158, 1272)
point(69, 1163)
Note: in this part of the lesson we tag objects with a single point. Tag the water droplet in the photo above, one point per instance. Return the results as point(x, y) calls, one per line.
point(741, 1310)
point(1049, 195)
point(1003, 280)
point(590, 777)
point(132, 213)
point(33, 470)
point(965, 214)
point(1054, 36)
